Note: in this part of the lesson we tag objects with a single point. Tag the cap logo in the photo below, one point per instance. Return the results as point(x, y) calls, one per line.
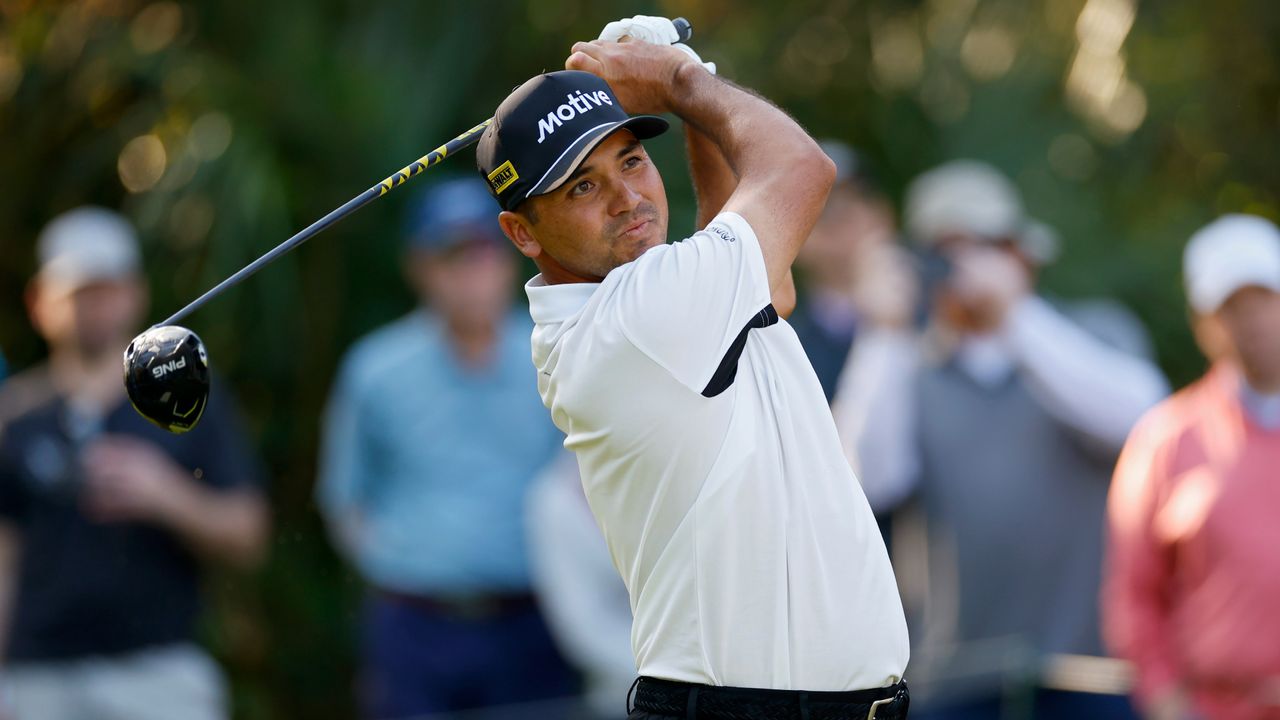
point(579, 103)
point(504, 175)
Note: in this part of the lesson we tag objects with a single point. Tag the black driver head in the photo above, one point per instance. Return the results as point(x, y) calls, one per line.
point(166, 372)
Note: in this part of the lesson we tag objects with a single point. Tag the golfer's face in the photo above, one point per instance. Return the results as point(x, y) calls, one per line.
point(611, 210)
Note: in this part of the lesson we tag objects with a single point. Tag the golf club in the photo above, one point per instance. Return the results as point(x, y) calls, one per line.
point(166, 367)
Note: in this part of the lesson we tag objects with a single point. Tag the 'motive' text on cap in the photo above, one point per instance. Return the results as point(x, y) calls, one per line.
point(546, 128)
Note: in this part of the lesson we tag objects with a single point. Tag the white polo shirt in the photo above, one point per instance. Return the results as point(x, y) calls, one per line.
point(711, 462)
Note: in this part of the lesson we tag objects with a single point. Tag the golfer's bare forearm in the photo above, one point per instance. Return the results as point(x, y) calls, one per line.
point(783, 176)
point(713, 183)
point(737, 121)
point(713, 180)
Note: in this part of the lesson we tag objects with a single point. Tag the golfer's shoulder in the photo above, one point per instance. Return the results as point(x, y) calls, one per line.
point(707, 249)
point(726, 231)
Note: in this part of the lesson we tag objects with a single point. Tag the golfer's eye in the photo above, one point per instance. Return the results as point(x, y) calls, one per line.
point(633, 161)
point(582, 188)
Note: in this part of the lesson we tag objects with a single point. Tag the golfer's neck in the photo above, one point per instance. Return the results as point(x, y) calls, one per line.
point(553, 273)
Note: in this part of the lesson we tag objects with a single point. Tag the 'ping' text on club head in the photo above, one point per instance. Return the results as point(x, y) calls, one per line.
point(160, 370)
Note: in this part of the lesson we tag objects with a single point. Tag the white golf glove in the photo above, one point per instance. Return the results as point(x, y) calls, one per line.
point(650, 29)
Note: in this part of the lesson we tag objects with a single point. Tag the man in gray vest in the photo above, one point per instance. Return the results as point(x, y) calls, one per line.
point(1004, 418)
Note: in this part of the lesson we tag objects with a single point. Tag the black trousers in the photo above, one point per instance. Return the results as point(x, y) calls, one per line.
point(667, 700)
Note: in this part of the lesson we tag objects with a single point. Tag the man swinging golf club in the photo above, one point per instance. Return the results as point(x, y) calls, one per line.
point(758, 580)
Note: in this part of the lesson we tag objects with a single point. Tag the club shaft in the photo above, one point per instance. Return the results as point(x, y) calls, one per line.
point(464, 140)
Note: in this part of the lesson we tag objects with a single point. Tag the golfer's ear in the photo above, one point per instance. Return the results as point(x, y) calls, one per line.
point(516, 227)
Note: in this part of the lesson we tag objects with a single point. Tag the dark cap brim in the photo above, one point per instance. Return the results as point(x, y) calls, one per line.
point(642, 126)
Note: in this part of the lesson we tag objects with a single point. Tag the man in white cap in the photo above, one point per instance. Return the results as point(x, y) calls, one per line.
point(1193, 573)
point(104, 518)
point(1004, 418)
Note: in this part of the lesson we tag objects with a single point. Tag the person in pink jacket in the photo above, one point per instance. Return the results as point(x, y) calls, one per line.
point(1192, 591)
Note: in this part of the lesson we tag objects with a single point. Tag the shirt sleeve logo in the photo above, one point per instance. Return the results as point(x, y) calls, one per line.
point(502, 177)
point(722, 232)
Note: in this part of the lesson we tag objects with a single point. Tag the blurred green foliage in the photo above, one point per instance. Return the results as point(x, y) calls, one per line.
point(221, 128)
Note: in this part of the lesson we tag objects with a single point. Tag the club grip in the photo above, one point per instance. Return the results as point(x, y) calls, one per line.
point(683, 28)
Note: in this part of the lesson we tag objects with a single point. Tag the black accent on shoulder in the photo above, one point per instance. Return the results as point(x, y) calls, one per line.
point(728, 369)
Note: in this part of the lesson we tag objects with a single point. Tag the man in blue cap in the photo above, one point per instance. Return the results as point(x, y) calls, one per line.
point(432, 434)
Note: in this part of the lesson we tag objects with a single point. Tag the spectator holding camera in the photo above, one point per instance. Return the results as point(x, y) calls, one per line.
point(1004, 418)
point(843, 269)
point(855, 225)
point(105, 519)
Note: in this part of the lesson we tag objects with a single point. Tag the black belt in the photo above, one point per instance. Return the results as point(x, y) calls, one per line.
point(707, 702)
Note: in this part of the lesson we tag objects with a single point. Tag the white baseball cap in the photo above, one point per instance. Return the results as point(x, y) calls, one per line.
point(86, 245)
point(973, 198)
point(1230, 253)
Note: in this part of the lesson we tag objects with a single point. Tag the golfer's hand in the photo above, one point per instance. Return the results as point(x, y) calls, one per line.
point(644, 28)
point(650, 29)
point(641, 74)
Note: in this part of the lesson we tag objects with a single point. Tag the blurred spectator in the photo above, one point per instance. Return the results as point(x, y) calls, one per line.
point(1005, 417)
point(856, 224)
point(1193, 570)
point(587, 604)
point(103, 516)
point(849, 254)
point(432, 437)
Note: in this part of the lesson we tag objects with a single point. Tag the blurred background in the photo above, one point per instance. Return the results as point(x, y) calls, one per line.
point(220, 128)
